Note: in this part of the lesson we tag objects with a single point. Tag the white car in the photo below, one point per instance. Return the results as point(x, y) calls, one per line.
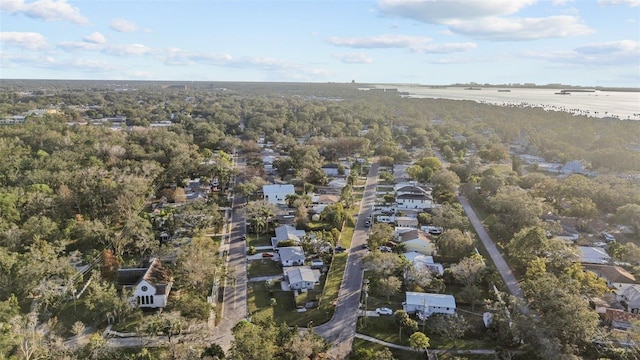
point(384, 311)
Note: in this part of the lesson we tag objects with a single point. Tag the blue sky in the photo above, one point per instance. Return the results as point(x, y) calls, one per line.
point(579, 42)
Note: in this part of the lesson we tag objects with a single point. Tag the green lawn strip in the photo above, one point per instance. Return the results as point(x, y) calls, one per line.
point(333, 281)
point(397, 353)
point(263, 267)
point(258, 240)
point(384, 328)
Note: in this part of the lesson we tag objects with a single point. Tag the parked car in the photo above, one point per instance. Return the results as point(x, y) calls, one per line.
point(384, 311)
point(608, 237)
point(267, 255)
point(244, 237)
point(367, 223)
point(385, 249)
point(339, 249)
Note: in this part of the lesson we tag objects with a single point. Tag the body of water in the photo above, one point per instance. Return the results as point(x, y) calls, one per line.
point(617, 104)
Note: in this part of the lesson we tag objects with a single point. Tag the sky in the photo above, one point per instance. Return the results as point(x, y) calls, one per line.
point(573, 42)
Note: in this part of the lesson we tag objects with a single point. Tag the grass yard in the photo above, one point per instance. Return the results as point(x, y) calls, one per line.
point(259, 240)
point(397, 353)
point(263, 267)
point(385, 328)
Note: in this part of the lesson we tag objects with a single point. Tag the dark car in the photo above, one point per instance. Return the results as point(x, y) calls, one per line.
point(339, 249)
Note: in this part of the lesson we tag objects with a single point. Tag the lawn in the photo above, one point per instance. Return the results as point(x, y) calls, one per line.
point(263, 267)
point(258, 240)
point(285, 310)
point(385, 328)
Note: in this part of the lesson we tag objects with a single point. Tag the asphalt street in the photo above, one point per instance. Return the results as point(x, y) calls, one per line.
point(341, 329)
point(505, 271)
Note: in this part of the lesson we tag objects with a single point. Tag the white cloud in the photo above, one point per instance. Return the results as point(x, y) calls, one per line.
point(631, 3)
point(95, 38)
point(26, 40)
point(438, 11)
point(445, 48)
point(127, 50)
point(496, 28)
point(123, 25)
point(607, 53)
point(380, 41)
point(612, 48)
point(78, 45)
point(353, 58)
point(50, 10)
point(486, 19)
point(58, 64)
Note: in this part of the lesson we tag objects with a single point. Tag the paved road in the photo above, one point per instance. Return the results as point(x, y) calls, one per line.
point(505, 271)
point(234, 307)
point(341, 329)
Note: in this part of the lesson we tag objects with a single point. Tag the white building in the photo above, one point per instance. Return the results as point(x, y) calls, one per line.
point(424, 262)
point(593, 255)
point(287, 233)
point(151, 285)
point(302, 278)
point(291, 256)
point(276, 194)
point(426, 304)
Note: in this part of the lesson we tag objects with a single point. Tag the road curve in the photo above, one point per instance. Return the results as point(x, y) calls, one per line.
point(341, 329)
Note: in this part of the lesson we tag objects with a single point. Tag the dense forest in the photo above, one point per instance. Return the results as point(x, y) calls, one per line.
point(77, 190)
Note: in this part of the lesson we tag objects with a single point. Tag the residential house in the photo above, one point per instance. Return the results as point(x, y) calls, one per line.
point(630, 299)
point(415, 240)
point(411, 196)
point(333, 170)
point(400, 171)
point(619, 319)
point(407, 222)
point(337, 183)
point(302, 278)
point(276, 194)
point(324, 199)
point(616, 277)
point(426, 304)
point(573, 167)
point(150, 284)
point(593, 255)
point(423, 262)
point(287, 233)
point(291, 256)
point(569, 233)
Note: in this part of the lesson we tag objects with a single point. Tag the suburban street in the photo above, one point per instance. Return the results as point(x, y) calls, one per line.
point(502, 266)
point(341, 329)
point(234, 306)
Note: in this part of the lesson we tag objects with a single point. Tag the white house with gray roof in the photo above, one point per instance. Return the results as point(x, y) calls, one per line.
point(287, 233)
point(291, 256)
point(426, 304)
point(277, 194)
point(302, 278)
